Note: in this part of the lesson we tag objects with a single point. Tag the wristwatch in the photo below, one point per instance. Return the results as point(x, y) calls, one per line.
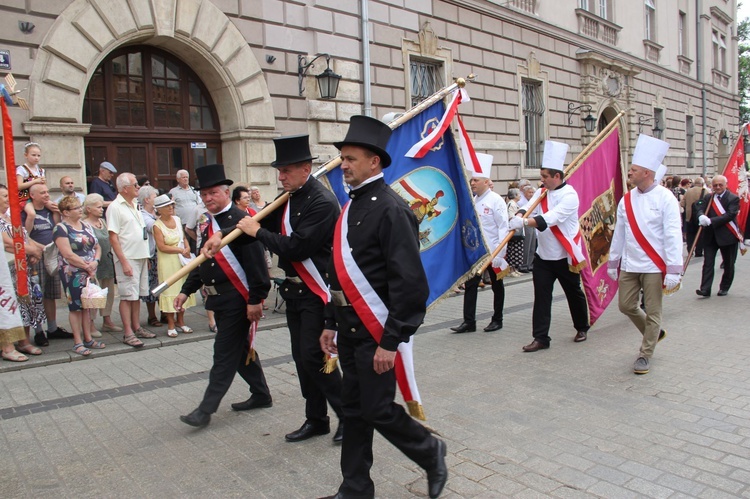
point(525, 222)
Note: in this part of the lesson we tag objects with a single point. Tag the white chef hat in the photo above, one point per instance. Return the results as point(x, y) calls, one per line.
point(649, 152)
point(660, 172)
point(554, 155)
point(485, 161)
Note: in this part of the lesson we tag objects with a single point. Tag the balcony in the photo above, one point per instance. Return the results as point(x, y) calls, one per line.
point(651, 50)
point(529, 6)
point(598, 28)
point(721, 79)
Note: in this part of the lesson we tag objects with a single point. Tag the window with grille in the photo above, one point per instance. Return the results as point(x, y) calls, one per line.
point(650, 20)
point(532, 101)
point(426, 79)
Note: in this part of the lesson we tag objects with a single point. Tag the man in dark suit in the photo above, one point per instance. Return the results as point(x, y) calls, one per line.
point(717, 214)
point(301, 233)
point(379, 294)
point(237, 282)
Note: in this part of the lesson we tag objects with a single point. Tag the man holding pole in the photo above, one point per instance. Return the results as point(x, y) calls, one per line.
point(493, 215)
point(379, 292)
point(237, 282)
point(646, 247)
point(717, 214)
point(559, 255)
point(301, 234)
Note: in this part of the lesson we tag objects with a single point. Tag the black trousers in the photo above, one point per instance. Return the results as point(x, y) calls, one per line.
point(691, 230)
point(368, 405)
point(470, 298)
point(728, 256)
point(230, 353)
point(304, 317)
point(545, 273)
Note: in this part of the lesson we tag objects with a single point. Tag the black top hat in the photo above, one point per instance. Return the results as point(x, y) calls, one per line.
point(292, 149)
point(211, 175)
point(369, 133)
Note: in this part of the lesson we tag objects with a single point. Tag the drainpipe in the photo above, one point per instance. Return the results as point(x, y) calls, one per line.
point(699, 74)
point(366, 78)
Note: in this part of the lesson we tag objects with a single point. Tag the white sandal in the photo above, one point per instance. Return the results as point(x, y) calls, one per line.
point(172, 333)
point(186, 329)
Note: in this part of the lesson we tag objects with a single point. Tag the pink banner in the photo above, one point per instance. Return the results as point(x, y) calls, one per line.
point(598, 182)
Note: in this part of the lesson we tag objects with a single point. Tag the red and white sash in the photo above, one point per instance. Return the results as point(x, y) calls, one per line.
point(236, 274)
point(229, 264)
point(306, 269)
point(641, 238)
point(373, 312)
point(572, 246)
point(718, 208)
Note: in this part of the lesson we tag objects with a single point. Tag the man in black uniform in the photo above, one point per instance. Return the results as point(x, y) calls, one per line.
point(301, 234)
point(237, 282)
point(379, 292)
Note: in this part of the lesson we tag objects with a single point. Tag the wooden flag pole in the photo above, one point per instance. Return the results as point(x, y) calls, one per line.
point(572, 167)
point(329, 166)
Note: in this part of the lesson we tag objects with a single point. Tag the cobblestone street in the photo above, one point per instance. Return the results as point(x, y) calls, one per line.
point(571, 421)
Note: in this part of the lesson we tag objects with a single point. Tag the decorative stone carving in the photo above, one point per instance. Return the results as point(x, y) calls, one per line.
point(427, 40)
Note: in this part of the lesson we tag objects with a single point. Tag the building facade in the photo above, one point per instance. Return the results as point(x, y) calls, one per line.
point(158, 85)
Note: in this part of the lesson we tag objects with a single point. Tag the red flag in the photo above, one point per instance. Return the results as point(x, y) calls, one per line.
point(15, 208)
point(598, 182)
point(736, 176)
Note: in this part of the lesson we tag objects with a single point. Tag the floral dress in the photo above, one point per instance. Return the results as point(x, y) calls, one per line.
point(83, 243)
point(32, 313)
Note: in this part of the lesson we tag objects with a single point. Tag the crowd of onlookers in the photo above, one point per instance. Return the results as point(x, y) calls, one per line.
point(125, 237)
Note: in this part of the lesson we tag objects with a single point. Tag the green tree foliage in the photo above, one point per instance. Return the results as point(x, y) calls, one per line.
point(743, 68)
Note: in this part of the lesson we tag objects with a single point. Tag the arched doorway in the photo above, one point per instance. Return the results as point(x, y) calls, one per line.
point(150, 115)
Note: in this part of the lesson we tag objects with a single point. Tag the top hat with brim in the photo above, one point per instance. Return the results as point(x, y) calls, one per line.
point(291, 150)
point(163, 200)
point(369, 133)
point(211, 175)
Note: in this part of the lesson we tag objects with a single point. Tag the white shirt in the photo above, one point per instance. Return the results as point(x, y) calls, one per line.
point(80, 197)
point(657, 212)
point(127, 222)
point(185, 201)
point(493, 217)
point(563, 213)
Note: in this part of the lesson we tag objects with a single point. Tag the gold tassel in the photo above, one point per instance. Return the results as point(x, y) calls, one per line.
point(416, 410)
point(250, 356)
point(329, 364)
point(576, 269)
point(671, 291)
point(503, 273)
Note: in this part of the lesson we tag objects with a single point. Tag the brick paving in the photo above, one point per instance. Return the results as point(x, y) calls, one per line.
point(571, 421)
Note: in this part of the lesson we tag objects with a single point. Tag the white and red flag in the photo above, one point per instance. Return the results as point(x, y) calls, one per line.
point(736, 175)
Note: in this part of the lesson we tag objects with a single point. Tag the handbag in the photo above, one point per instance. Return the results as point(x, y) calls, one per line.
point(50, 255)
point(50, 259)
point(92, 296)
point(183, 259)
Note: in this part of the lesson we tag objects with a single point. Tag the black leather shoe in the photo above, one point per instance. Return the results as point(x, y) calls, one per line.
point(41, 340)
point(252, 403)
point(722, 292)
point(580, 336)
point(534, 346)
point(197, 418)
point(700, 292)
point(493, 326)
point(465, 327)
point(437, 476)
point(60, 334)
point(338, 437)
point(308, 430)
point(338, 495)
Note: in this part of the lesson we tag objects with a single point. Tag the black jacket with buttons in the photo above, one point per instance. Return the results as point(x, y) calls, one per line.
point(383, 236)
point(313, 211)
point(248, 252)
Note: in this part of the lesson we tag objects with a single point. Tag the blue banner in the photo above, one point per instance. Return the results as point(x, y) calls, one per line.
point(436, 189)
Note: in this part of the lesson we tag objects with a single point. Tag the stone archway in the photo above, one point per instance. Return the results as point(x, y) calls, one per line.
point(198, 32)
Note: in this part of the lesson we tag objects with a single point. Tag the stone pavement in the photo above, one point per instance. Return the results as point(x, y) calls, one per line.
point(571, 421)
